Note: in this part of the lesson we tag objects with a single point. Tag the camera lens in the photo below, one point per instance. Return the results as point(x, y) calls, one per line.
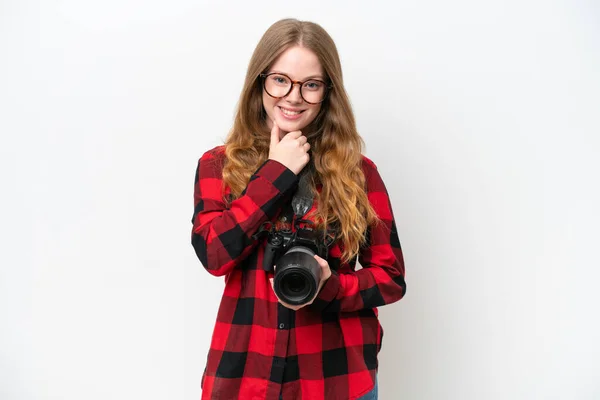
point(294, 283)
point(297, 276)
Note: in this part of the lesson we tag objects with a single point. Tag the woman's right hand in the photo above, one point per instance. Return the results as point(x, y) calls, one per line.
point(291, 151)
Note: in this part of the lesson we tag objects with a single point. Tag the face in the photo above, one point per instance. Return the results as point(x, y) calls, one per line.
point(292, 113)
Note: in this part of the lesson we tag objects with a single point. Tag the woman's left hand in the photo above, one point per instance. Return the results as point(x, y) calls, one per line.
point(325, 274)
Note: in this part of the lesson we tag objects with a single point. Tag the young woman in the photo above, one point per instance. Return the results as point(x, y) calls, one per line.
point(293, 162)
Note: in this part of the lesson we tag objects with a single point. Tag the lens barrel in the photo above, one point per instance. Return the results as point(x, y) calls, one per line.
point(297, 276)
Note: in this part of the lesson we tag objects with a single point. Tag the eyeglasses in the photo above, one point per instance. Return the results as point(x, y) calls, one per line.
point(312, 91)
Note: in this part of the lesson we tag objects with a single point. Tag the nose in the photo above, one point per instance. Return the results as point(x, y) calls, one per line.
point(294, 96)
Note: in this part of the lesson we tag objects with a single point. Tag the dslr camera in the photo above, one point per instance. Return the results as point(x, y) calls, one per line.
point(297, 273)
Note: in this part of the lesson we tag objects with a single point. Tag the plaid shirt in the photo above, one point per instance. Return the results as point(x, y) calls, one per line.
point(260, 349)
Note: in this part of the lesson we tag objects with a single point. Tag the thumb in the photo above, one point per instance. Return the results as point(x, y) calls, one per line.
point(274, 134)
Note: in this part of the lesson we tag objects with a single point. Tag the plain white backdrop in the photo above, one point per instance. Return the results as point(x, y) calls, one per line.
point(482, 116)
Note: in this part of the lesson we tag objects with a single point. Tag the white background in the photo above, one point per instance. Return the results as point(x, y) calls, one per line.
point(483, 118)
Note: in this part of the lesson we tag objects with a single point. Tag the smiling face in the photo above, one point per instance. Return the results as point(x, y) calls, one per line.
point(292, 113)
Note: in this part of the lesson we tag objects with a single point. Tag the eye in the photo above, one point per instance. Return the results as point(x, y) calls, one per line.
point(280, 80)
point(313, 85)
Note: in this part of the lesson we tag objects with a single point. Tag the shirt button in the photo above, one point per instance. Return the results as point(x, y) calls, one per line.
point(281, 326)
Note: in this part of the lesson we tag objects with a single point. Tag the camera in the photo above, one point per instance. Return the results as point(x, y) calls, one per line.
point(297, 273)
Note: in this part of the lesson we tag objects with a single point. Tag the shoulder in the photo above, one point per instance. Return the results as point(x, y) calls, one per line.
point(217, 152)
point(373, 179)
point(368, 166)
point(211, 162)
point(214, 156)
point(367, 162)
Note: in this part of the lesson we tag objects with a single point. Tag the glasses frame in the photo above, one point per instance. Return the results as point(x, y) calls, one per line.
point(264, 85)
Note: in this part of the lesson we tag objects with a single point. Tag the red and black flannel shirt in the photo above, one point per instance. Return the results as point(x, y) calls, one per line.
point(260, 349)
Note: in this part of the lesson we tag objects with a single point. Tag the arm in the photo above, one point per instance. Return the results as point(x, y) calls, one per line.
point(222, 236)
point(381, 280)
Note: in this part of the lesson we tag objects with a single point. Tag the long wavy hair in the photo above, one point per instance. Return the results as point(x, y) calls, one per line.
point(336, 146)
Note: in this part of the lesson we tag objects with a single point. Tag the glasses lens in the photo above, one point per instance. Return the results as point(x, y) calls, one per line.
point(278, 85)
point(313, 91)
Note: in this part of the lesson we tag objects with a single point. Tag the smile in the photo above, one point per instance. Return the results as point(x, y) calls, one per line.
point(290, 113)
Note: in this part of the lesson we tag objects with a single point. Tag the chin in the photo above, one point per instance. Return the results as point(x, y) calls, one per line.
point(291, 126)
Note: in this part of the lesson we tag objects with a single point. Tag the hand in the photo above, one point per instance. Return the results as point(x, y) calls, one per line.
point(325, 274)
point(291, 150)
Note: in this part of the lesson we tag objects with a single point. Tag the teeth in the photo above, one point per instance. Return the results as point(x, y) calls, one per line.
point(288, 112)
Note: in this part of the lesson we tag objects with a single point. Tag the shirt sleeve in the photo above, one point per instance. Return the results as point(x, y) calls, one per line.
point(381, 280)
point(221, 235)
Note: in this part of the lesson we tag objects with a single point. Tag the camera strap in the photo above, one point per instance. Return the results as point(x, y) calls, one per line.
point(302, 202)
point(304, 197)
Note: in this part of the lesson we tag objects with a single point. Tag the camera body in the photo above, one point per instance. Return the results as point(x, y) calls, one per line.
point(291, 254)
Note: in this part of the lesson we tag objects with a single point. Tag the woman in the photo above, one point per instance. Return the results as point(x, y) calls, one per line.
point(292, 161)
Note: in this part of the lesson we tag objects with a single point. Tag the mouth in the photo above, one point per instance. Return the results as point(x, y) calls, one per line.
point(289, 113)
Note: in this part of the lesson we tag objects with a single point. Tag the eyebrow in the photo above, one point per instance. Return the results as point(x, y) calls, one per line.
point(318, 76)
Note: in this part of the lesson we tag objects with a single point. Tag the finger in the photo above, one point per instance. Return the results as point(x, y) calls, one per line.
point(274, 292)
point(294, 134)
point(322, 263)
point(274, 134)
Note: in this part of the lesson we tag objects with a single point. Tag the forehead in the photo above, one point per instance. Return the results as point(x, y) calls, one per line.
point(298, 62)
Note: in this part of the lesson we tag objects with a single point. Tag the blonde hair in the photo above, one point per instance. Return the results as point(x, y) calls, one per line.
point(336, 146)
